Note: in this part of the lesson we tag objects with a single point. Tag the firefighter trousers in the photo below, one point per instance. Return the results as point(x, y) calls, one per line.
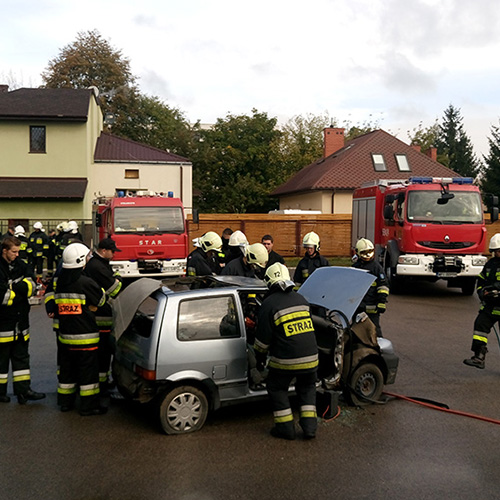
point(483, 324)
point(278, 382)
point(104, 355)
point(78, 370)
point(15, 352)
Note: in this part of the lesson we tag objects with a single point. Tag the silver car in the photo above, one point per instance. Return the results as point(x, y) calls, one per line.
point(190, 350)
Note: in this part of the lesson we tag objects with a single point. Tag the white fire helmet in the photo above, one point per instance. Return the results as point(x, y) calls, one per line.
point(238, 239)
point(311, 240)
point(495, 242)
point(276, 273)
point(19, 231)
point(75, 256)
point(37, 225)
point(210, 241)
point(72, 226)
point(365, 249)
point(257, 254)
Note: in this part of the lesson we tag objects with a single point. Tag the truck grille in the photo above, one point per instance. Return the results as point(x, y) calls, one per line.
point(439, 245)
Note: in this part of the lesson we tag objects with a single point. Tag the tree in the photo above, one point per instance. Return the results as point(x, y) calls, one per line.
point(153, 122)
point(491, 180)
point(301, 143)
point(234, 168)
point(455, 146)
point(91, 61)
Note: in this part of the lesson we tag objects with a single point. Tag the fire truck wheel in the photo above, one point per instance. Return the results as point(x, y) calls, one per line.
point(469, 286)
point(395, 282)
point(365, 385)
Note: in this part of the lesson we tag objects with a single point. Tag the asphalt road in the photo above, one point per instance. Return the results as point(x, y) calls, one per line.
point(392, 451)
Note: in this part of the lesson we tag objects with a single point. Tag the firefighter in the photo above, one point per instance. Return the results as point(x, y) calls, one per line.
point(20, 234)
point(268, 241)
point(58, 239)
point(223, 255)
point(71, 233)
point(38, 248)
point(100, 270)
point(16, 287)
point(77, 298)
point(375, 301)
point(51, 253)
point(251, 265)
point(488, 290)
point(201, 260)
point(285, 330)
point(237, 244)
point(312, 259)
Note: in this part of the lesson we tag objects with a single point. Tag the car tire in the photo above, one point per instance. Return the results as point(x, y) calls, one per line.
point(183, 410)
point(365, 385)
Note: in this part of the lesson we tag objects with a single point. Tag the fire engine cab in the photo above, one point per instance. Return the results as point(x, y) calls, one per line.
point(150, 230)
point(423, 228)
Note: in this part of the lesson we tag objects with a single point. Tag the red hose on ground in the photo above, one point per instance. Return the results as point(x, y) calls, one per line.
point(447, 410)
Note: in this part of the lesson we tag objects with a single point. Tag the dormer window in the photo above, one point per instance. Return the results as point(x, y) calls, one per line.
point(37, 139)
point(378, 162)
point(402, 162)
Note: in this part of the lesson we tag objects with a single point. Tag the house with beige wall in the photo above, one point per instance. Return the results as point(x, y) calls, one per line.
point(56, 158)
point(328, 183)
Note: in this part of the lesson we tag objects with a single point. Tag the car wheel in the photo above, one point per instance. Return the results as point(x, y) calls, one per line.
point(183, 409)
point(365, 385)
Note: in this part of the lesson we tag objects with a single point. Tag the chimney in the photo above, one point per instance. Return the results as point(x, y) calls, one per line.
point(431, 153)
point(416, 147)
point(3, 88)
point(333, 140)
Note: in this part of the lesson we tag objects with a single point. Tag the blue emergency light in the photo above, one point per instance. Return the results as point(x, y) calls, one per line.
point(441, 180)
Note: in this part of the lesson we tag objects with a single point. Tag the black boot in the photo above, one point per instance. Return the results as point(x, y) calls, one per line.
point(478, 360)
point(29, 395)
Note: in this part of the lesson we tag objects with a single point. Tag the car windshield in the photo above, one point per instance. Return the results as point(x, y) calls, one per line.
point(463, 208)
point(152, 220)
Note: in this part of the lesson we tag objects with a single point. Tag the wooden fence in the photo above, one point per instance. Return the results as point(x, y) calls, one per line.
point(288, 230)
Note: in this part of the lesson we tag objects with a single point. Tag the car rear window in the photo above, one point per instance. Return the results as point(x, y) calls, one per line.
point(143, 319)
point(208, 318)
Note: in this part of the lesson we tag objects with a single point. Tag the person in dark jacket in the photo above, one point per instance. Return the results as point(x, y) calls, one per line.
point(38, 248)
point(99, 269)
point(374, 303)
point(251, 265)
point(202, 260)
point(488, 291)
point(268, 242)
point(77, 298)
point(20, 234)
point(311, 261)
point(16, 287)
point(285, 330)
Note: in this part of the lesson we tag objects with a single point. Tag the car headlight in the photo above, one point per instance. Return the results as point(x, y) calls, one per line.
point(480, 260)
point(408, 260)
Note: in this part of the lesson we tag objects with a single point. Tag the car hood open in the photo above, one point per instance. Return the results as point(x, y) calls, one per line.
point(126, 304)
point(337, 288)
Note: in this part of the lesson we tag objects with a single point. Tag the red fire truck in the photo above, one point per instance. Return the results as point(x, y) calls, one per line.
point(423, 228)
point(149, 229)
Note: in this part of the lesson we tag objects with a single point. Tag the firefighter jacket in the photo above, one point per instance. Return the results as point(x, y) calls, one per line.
point(307, 265)
point(488, 286)
point(375, 299)
point(77, 297)
point(23, 249)
point(237, 267)
point(16, 287)
point(273, 258)
point(67, 237)
point(100, 270)
point(198, 263)
point(38, 244)
point(285, 330)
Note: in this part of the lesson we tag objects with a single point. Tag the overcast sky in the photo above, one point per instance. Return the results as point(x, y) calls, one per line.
point(395, 62)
